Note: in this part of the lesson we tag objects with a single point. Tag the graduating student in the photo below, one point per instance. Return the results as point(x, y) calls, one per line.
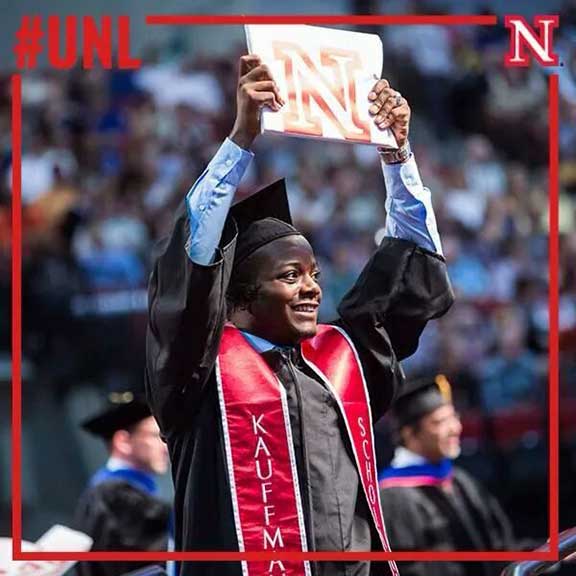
point(266, 413)
point(429, 503)
point(120, 509)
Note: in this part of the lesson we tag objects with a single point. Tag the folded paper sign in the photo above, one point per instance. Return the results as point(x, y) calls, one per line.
point(57, 539)
point(324, 76)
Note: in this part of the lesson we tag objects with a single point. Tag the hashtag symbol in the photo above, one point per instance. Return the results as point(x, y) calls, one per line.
point(28, 44)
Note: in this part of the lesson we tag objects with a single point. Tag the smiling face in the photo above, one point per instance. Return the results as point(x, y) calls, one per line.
point(436, 436)
point(284, 308)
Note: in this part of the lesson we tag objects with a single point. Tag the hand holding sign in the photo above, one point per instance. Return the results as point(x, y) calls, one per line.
point(390, 110)
point(256, 88)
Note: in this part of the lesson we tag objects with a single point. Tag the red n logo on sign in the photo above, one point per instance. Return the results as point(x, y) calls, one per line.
point(523, 38)
point(332, 88)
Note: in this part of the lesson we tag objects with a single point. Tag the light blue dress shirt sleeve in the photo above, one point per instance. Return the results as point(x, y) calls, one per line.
point(410, 215)
point(210, 198)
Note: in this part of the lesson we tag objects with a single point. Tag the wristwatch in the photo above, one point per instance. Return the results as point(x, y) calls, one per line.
point(397, 155)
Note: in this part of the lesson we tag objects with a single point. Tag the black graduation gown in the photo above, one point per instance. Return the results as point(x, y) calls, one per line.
point(426, 518)
point(121, 518)
point(400, 289)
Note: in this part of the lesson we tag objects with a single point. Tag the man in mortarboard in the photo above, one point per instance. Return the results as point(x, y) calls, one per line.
point(121, 509)
point(430, 504)
point(268, 414)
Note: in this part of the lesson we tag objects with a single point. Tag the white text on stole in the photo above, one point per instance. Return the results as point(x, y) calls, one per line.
point(264, 472)
point(370, 487)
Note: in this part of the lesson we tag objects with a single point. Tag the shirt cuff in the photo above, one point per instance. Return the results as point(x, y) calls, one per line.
point(409, 205)
point(403, 175)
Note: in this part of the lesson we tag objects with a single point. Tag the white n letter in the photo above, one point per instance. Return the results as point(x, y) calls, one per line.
point(523, 36)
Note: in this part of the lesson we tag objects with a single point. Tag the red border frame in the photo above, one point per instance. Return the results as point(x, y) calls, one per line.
point(548, 553)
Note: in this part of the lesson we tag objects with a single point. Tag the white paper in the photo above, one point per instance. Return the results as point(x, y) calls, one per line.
point(64, 539)
point(324, 76)
point(57, 539)
point(7, 565)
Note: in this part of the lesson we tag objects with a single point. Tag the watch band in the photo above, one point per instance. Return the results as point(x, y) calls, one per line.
point(396, 156)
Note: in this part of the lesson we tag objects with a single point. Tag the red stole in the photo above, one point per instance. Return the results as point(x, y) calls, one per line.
point(260, 456)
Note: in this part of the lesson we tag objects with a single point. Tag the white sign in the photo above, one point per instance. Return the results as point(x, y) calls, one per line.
point(58, 538)
point(324, 76)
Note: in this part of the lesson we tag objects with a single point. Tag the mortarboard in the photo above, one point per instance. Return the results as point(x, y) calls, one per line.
point(423, 396)
point(262, 218)
point(123, 411)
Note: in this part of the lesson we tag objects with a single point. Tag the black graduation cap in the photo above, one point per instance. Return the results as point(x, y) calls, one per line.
point(261, 219)
point(123, 411)
point(423, 396)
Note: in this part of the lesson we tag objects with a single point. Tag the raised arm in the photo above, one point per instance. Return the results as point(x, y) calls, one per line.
point(187, 291)
point(409, 211)
point(405, 283)
point(210, 198)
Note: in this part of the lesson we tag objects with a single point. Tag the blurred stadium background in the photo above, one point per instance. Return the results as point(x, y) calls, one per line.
point(108, 154)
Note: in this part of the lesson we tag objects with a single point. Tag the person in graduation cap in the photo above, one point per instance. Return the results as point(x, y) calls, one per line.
point(268, 414)
point(430, 504)
point(120, 509)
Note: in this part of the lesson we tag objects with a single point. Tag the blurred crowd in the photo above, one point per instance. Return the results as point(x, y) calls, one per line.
point(108, 155)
